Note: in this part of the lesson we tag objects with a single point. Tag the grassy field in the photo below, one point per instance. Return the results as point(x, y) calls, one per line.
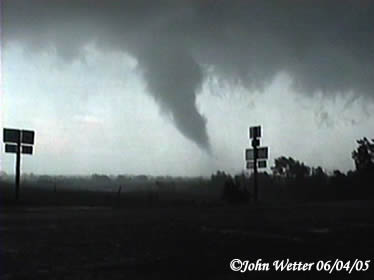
point(132, 238)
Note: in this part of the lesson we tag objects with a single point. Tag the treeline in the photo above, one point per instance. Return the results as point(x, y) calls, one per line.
point(104, 190)
point(290, 180)
point(293, 180)
point(107, 182)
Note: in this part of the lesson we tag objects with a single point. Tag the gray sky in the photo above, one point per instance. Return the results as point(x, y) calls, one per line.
point(170, 87)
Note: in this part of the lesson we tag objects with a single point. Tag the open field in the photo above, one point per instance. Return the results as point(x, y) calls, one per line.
point(191, 241)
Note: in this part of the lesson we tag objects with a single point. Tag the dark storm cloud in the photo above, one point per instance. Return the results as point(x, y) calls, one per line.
point(324, 46)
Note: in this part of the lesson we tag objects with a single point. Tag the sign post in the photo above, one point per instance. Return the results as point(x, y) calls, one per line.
point(256, 157)
point(18, 167)
point(18, 138)
point(255, 145)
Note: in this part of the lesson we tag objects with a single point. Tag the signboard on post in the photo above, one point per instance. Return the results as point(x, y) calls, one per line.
point(11, 148)
point(17, 137)
point(256, 157)
point(28, 137)
point(11, 135)
point(250, 164)
point(249, 154)
point(254, 132)
point(262, 153)
point(26, 150)
point(262, 164)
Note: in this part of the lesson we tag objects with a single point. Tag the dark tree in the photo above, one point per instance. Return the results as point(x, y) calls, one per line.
point(364, 155)
point(290, 168)
point(319, 173)
point(281, 167)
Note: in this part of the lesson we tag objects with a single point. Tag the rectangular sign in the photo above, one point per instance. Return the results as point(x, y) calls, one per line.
point(26, 150)
point(10, 148)
point(262, 153)
point(249, 154)
point(254, 131)
point(28, 137)
point(260, 164)
point(11, 135)
point(250, 164)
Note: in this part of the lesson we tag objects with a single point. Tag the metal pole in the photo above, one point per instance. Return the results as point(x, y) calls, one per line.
point(18, 167)
point(255, 171)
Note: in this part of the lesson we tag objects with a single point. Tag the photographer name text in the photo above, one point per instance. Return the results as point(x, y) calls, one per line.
point(285, 265)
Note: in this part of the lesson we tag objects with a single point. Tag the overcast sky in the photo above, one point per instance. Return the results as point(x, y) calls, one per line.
point(171, 87)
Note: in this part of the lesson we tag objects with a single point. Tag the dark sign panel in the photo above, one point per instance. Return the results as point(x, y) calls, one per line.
point(261, 164)
point(249, 154)
point(250, 164)
point(28, 137)
point(255, 131)
point(10, 148)
point(262, 153)
point(11, 135)
point(26, 150)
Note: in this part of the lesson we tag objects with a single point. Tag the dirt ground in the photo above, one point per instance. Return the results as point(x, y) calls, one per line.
point(189, 242)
